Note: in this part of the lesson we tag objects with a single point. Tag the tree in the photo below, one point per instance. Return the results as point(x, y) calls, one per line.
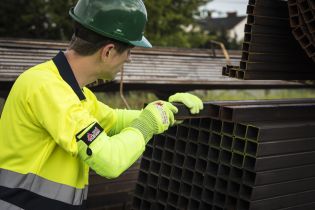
point(49, 19)
point(168, 19)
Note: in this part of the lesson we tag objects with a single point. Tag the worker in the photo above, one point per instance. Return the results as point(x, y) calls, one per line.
point(53, 128)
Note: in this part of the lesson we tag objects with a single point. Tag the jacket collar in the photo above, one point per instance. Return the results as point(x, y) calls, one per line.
point(66, 73)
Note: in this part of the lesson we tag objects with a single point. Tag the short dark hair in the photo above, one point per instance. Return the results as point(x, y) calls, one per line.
point(86, 42)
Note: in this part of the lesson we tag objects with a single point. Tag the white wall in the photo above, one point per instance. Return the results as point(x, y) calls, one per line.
point(238, 30)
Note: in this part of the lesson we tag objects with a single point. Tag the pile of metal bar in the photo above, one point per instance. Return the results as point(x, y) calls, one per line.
point(244, 155)
point(270, 51)
point(302, 20)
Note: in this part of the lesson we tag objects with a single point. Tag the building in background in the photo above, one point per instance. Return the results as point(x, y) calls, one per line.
point(231, 26)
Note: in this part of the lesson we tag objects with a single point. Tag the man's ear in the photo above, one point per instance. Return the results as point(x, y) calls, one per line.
point(106, 51)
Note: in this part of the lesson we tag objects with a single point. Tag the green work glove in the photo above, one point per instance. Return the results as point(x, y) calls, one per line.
point(155, 118)
point(191, 101)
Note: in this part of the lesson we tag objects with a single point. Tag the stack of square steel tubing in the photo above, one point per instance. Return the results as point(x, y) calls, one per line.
point(302, 20)
point(234, 155)
point(270, 50)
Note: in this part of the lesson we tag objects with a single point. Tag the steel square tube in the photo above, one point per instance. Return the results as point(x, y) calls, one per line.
point(145, 204)
point(205, 123)
point(185, 189)
point(280, 130)
point(215, 207)
point(180, 146)
point(155, 167)
point(224, 171)
point(188, 176)
point(162, 195)
point(279, 161)
point(172, 199)
point(293, 10)
point(145, 164)
point(225, 157)
point(142, 177)
point(215, 140)
point(240, 130)
point(191, 149)
point(171, 132)
point(268, 21)
point(236, 174)
point(204, 137)
point(219, 199)
point(272, 58)
point(228, 128)
point(203, 151)
point(278, 175)
point(193, 204)
point(234, 188)
point(239, 146)
point(275, 190)
point(170, 143)
point(136, 203)
point(275, 12)
point(251, 148)
point(153, 180)
point(184, 113)
point(266, 30)
point(231, 202)
point(190, 162)
point(237, 160)
point(265, 48)
point(177, 173)
point(214, 154)
point(157, 154)
point(201, 165)
point(194, 123)
point(226, 142)
point(148, 151)
point(221, 185)
point(207, 196)
point(179, 160)
point(212, 168)
point(216, 125)
point(174, 186)
point(196, 192)
point(198, 179)
point(284, 147)
point(307, 206)
point(150, 193)
point(139, 190)
point(268, 3)
point(249, 113)
point(205, 206)
point(168, 156)
point(193, 134)
point(274, 67)
point(166, 170)
point(164, 183)
point(267, 39)
point(303, 5)
point(183, 202)
point(262, 75)
point(209, 182)
point(182, 132)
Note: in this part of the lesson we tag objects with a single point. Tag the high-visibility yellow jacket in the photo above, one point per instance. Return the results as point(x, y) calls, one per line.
point(39, 163)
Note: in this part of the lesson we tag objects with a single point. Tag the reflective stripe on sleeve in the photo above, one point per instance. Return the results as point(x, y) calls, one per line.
point(43, 187)
point(8, 206)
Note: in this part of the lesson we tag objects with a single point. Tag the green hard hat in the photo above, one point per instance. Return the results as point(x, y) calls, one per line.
point(122, 20)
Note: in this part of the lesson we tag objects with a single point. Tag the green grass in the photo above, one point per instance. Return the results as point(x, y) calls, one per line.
point(136, 99)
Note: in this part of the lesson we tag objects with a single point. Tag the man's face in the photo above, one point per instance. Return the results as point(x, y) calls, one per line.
point(115, 63)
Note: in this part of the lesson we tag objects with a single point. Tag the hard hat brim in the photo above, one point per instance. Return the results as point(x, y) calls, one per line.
point(142, 43)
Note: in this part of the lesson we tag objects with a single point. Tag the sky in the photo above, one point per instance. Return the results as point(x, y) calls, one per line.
point(227, 6)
